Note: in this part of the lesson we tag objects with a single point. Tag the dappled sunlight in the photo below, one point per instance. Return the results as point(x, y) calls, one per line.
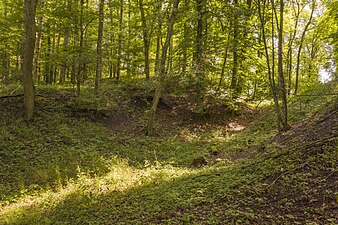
point(214, 133)
point(233, 126)
point(121, 178)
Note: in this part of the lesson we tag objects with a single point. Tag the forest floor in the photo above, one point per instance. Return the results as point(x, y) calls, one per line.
point(87, 160)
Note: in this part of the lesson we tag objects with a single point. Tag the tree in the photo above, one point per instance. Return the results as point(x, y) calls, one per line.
point(282, 90)
point(146, 40)
point(301, 45)
point(27, 67)
point(162, 69)
point(281, 111)
point(99, 47)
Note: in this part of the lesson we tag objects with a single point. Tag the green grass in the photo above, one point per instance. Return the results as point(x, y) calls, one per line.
point(61, 169)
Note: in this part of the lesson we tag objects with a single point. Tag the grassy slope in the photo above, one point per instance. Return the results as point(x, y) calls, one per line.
point(62, 169)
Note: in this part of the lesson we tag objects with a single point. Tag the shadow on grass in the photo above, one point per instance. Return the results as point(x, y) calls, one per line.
point(155, 196)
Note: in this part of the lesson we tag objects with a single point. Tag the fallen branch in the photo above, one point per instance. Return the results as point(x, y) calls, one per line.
point(316, 95)
point(11, 96)
point(290, 150)
point(16, 96)
point(291, 170)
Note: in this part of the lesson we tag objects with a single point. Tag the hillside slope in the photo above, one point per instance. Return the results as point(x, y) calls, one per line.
point(66, 169)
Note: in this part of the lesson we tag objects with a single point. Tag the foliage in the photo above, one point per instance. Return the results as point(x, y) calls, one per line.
point(66, 168)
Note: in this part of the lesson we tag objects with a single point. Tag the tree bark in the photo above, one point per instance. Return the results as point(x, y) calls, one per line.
point(284, 121)
point(119, 50)
point(159, 36)
point(27, 69)
point(234, 79)
point(79, 71)
point(270, 70)
point(162, 69)
point(301, 46)
point(146, 41)
point(98, 74)
point(290, 52)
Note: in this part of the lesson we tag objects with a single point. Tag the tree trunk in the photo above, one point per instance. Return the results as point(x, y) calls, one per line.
point(129, 60)
point(284, 122)
point(185, 54)
point(270, 75)
point(27, 69)
point(119, 50)
point(146, 41)
point(224, 64)
point(98, 74)
point(65, 60)
point(36, 74)
point(290, 52)
point(5, 56)
point(301, 46)
point(162, 69)
point(53, 64)
point(199, 67)
point(48, 58)
point(234, 78)
point(79, 71)
point(159, 37)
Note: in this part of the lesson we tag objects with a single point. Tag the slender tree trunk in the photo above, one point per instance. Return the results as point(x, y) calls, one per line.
point(111, 40)
point(56, 70)
point(234, 79)
point(80, 66)
point(99, 48)
point(48, 59)
point(185, 54)
point(65, 60)
point(290, 50)
point(301, 45)
point(159, 36)
point(146, 41)
point(270, 70)
point(162, 69)
point(199, 64)
point(285, 125)
point(27, 69)
point(5, 56)
point(129, 60)
point(224, 63)
point(199, 33)
point(36, 74)
point(52, 61)
point(119, 50)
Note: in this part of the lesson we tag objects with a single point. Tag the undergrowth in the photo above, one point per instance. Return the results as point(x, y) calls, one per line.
point(61, 169)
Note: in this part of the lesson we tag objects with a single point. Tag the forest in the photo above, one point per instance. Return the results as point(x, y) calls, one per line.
point(168, 112)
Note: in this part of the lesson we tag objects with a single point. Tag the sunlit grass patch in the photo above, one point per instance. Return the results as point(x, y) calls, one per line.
point(120, 178)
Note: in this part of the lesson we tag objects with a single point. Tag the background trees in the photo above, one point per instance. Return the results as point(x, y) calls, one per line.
point(217, 47)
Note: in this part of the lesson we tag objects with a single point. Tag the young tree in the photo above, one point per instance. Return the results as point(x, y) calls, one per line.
point(280, 111)
point(301, 45)
point(99, 47)
point(162, 69)
point(146, 40)
point(282, 90)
